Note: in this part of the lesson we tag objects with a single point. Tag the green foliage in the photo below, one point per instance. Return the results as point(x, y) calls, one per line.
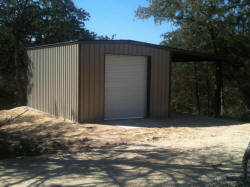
point(217, 27)
point(25, 23)
point(187, 83)
point(61, 21)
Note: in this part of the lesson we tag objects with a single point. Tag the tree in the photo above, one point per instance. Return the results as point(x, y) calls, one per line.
point(16, 18)
point(25, 23)
point(208, 26)
point(61, 21)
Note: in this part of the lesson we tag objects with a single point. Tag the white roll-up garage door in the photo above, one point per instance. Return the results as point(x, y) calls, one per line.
point(125, 86)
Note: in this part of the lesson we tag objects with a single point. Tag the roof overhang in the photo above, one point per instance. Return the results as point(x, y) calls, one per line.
point(180, 55)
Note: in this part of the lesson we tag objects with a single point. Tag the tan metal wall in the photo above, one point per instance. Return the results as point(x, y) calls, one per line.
point(54, 80)
point(91, 77)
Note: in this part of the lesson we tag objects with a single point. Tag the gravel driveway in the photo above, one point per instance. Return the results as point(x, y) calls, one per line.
point(183, 150)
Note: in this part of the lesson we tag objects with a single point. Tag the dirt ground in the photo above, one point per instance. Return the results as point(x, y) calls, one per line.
point(182, 150)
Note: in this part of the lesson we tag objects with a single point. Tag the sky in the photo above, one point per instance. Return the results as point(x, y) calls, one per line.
point(108, 17)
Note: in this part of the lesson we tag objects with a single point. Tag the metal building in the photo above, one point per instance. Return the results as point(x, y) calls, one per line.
point(86, 81)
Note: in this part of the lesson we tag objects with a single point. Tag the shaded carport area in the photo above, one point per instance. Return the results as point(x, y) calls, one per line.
point(181, 55)
point(185, 56)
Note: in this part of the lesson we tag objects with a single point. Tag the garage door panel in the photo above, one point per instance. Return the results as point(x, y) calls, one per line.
point(125, 86)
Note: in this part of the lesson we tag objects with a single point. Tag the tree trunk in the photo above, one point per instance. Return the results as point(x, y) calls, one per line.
point(197, 94)
point(18, 75)
point(222, 97)
point(218, 76)
point(208, 95)
point(218, 91)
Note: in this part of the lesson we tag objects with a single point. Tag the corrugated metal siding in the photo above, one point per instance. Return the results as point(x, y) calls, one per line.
point(91, 85)
point(54, 81)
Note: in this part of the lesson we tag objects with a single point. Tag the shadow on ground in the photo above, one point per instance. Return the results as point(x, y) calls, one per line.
point(176, 120)
point(123, 165)
point(105, 155)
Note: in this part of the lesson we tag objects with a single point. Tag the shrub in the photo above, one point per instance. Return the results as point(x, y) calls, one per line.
point(12, 146)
